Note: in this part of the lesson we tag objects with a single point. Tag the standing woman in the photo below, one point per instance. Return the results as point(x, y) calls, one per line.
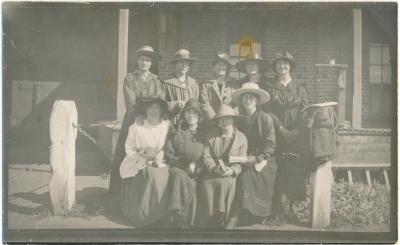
point(144, 175)
point(218, 90)
point(217, 184)
point(255, 185)
point(183, 153)
point(181, 87)
point(137, 85)
point(254, 67)
point(288, 98)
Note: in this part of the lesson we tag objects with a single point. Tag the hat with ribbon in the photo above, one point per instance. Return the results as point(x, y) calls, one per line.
point(225, 111)
point(263, 64)
point(147, 51)
point(182, 54)
point(252, 88)
point(284, 55)
point(221, 56)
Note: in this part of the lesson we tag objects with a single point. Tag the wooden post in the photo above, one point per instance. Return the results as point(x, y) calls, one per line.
point(349, 176)
point(357, 46)
point(321, 182)
point(122, 59)
point(342, 80)
point(62, 155)
point(385, 175)
point(368, 175)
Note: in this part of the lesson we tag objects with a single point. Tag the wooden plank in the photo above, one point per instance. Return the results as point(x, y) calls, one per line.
point(360, 165)
point(122, 59)
point(321, 182)
point(62, 155)
point(368, 177)
point(349, 176)
point(385, 175)
point(357, 47)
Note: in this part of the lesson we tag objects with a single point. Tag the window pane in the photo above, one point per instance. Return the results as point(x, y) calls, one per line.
point(375, 55)
point(386, 56)
point(387, 74)
point(375, 74)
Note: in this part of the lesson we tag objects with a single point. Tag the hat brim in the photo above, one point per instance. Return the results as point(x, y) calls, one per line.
point(215, 118)
point(263, 96)
point(191, 60)
point(230, 64)
point(291, 62)
point(263, 65)
point(152, 55)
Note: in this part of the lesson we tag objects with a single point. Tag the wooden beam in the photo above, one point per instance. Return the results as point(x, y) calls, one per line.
point(368, 177)
point(321, 182)
point(350, 176)
point(357, 46)
point(62, 155)
point(122, 60)
point(385, 175)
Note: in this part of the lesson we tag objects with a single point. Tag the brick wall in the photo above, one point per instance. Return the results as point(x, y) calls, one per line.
point(312, 37)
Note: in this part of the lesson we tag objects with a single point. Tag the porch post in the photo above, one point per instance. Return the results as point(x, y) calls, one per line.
point(122, 59)
point(357, 95)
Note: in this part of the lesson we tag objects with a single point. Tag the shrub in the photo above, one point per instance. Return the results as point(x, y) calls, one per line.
point(357, 205)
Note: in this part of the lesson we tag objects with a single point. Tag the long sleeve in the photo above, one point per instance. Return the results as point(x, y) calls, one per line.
point(208, 161)
point(130, 144)
point(237, 169)
point(205, 102)
point(129, 94)
point(269, 141)
point(196, 91)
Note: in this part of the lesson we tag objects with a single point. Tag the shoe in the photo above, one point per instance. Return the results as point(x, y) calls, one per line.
point(232, 223)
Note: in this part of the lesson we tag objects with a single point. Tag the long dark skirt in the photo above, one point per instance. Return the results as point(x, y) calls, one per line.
point(254, 189)
point(215, 196)
point(182, 194)
point(119, 154)
point(291, 179)
point(143, 197)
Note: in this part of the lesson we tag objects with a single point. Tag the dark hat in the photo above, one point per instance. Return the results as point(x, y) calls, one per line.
point(147, 51)
point(263, 65)
point(221, 56)
point(225, 111)
point(192, 105)
point(263, 96)
point(182, 54)
point(284, 55)
point(147, 101)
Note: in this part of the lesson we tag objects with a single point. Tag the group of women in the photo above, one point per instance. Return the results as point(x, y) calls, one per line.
point(211, 154)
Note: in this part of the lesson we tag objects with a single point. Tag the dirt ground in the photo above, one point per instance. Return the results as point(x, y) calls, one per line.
point(29, 205)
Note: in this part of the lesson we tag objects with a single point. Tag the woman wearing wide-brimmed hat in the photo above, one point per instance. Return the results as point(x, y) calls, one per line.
point(183, 153)
point(288, 98)
point(137, 85)
point(217, 185)
point(254, 66)
point(255, 185)
point(181, 87)
point(143, 171)
point(219, 89)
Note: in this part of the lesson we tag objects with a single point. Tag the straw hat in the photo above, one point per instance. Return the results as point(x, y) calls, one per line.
point(182, 54)
point(263, 96)
point(284, 55)
point(221, 56)
point(225, 111)
point(147, 51)
point(263, 65)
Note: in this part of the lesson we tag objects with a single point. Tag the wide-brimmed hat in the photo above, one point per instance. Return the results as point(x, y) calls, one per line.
point(225, 111)
point(284, 55)
point(192, 105)
point(146, 101)
point(147, 51)
point(263, 64)
point(221, 56)
point(253, 88)
point(182, 54)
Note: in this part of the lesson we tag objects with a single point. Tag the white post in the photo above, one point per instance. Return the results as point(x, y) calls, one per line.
point(122, 59)
point(357, 95)
point(62, 155)
point(321, 181)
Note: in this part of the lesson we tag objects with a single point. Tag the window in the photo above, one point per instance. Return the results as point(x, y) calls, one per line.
point(380, 79)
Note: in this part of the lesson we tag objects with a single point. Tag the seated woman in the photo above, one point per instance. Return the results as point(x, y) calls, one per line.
point(183, 153)
point(255, 184)
point(144, 175)
point(217, 185)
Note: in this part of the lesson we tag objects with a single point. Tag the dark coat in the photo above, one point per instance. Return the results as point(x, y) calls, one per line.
point(211, 97)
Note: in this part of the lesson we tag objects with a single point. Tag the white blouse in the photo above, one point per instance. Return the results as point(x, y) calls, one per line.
point(140, 137)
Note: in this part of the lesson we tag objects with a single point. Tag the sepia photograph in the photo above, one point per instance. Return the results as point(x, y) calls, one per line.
point(200, 122)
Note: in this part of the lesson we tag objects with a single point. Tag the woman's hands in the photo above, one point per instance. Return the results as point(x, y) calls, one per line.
point(227, 171)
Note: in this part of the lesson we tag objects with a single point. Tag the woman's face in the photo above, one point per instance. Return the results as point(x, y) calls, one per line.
point(252, 67)
point(225, 122)
point(249, 101)
point(182, 67)
point(153, 111)
point(191, 117)
point(220, 68)
point(144, 63)
point(282, 67)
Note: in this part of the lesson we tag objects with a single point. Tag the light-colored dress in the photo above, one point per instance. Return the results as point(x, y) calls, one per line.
point(143, 198)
